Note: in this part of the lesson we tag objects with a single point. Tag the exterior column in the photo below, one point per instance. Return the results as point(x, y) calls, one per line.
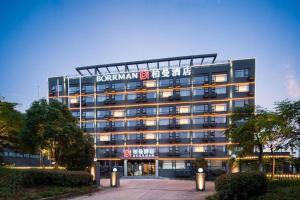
point(125, 168)
point(156, 168)
point(97, 173)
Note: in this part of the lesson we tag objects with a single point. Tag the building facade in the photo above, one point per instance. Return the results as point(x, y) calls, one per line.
point(155, 117)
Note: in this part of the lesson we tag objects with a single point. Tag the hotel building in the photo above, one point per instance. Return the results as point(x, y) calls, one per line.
point(155, 117)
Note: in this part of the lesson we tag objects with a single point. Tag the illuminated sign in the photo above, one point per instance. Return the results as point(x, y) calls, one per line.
point(146, 74)
point(139, 153)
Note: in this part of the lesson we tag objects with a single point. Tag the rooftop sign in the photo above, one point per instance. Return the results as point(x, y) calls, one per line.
point(146, 74)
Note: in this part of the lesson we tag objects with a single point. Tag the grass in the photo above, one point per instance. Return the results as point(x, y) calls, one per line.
point(47, 191)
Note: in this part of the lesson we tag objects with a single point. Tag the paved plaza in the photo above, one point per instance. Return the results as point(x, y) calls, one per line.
point(150, 189)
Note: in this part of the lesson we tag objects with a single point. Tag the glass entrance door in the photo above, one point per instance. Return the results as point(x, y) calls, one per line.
point(141, 168)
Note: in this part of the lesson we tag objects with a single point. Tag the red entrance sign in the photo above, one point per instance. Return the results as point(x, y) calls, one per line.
point(127, 153)
point(144, 75)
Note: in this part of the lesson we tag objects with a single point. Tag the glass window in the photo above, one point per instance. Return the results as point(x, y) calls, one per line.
point(118, 86)
point(151, 95)
point(100, 87)
point(75, 114)
point(150, 136)
point(150, 122)
point(101, 124)
point(74, 89)
point(101, 98)
point(118, 113)
point(200, 79)
point(164, 110)
point(165, 82)
point(166, 164)
point(104, 138)
point(185, 93)
point(151, 83)
point(166, 94)
point(88, 125)
point(217, 78)
point(198, 92)
point(180, 164)
point(242, 88)
point(87, 88)
point(219, 107)
point(60, 88)
point(131, 112)
point(164, 122)
point(89, 114)
point(151, 111)
point(74, 100)
point(241, 73)
point(199, 120)
point(101, 113)
point(184, 81)
point(221, 119)
point(89, 99)
point(201, 108)
point(131, 123)
point(241, 103)
point(220, 90)
point(119, 124)
point(131, 96)
point(198, 149)
point(132, 85)
point(120, 97)
point(183, 109)
point(184, 121)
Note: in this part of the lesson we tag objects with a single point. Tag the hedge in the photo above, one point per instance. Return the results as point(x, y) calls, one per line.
point(240, 186)
point(12, 181)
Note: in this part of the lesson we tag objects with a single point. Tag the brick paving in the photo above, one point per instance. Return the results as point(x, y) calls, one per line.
point(150, 189)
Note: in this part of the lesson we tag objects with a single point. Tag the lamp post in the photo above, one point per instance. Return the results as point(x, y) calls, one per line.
point(200, 180)
point(114, 178)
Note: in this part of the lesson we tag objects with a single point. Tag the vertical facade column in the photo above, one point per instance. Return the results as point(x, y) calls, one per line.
point(125, 168)
point(156, 168)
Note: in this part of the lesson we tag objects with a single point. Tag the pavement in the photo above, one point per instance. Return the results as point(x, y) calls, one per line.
point(150, 189)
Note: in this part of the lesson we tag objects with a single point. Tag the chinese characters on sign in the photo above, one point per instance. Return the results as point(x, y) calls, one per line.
point(139, 153)
point(145, 74)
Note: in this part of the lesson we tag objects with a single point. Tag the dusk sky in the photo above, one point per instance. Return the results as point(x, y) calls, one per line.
point(40, 39)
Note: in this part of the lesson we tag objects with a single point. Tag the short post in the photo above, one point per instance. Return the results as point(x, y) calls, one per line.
point(200, 180)
point(114, 178)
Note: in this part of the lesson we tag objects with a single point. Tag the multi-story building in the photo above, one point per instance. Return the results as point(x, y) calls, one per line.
point(153, 117)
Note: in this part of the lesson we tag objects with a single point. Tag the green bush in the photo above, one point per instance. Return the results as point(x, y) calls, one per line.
point(218, 172)
point(10, 182)
point(240, 186)
point(36, 177)
point(283, 183)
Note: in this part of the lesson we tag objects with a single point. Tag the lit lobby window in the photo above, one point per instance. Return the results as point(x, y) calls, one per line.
point(150, 83)
point(218, 78)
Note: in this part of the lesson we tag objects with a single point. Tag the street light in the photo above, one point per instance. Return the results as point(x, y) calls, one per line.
point(200, 180)
point(114, 179)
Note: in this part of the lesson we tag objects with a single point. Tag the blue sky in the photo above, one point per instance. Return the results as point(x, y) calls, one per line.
point(40, 39)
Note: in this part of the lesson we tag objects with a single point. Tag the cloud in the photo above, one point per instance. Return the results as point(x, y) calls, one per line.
point(292, 83)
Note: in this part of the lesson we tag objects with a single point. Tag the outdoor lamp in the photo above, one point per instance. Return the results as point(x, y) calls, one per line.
point(200, 180)
point(114, 179)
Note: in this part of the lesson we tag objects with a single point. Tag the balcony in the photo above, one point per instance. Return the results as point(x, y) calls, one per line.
point(212, 153)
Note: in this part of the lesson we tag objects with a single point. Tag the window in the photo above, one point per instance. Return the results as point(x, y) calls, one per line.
point(101, 124)
point(120, 97)
point(219, 107)
point(118, 113)
point(100, 88)
point(150, 136)
point(166, 82)
point(89, 114)
point(74, 89)
point(87, 88)
point(163, 122)
point(104, 138)
point(164, 110)
point(241, 103)
point(101, 98)
point(74, 100)
point(131, 96)
point(241, 73)
point(119, 124)
point(198, 149)
point(200, 108)
point(150, 111)
point(185, 93)
point(165, 94)
point(198, 92)
point(217, 78)
point(131, 123)
point(131, 112)
point(183, 109)
point(200, 79)
point(118, 86)
point(132, 85)
point(150, 83)
point(199, 120)
point(221, 119)
point(101, 113)
point(184, 81)
point(88, 125)
point(220, 90)
point(150, 122)
point(88, 99)
point(184, 121)
point(242, 88)
point(151, 95)
point(180, 164)
point(75, 114)
point(60, 88)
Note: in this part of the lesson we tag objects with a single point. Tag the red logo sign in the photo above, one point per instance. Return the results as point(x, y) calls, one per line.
point(127, 153)
point(144, 75)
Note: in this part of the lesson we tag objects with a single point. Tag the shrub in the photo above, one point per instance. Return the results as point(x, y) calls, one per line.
point(240, 185)
point(218, 172)
point(10, 182)
point(36, 177)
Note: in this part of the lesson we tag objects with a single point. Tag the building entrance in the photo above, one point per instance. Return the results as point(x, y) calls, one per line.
point(141, 168)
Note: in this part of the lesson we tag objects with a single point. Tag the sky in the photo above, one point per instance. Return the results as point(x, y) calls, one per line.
point(41, 39)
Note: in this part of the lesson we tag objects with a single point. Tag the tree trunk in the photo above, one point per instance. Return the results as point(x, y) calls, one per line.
point(260, 158)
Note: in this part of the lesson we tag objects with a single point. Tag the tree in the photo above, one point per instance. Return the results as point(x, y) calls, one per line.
point(201, 163)
point(11, 124)
point(51, 128)
point(254, 129)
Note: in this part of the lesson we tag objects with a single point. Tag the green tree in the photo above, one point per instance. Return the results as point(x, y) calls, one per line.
point(254, 129)
point(201, 163)
point(11, 124)
point(51, 128)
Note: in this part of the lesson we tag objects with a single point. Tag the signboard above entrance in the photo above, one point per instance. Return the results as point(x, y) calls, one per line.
point(139, 153)
point(146, 74)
